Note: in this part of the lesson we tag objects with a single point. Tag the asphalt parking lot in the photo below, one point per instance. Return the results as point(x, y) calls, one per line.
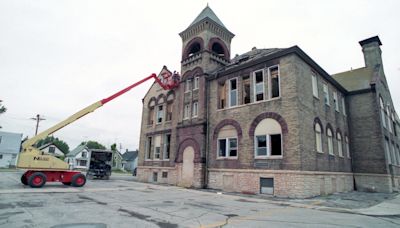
point(123, 202)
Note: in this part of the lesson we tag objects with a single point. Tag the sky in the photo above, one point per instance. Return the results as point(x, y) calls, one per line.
point(57, 57)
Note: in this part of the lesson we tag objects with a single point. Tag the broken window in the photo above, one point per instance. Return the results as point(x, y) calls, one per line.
point(268, 139)
point(167, 146)
point(227, 147)
point(259, 85)
point(274, 75)
point(160, 113)
point(222, 96)
point(232, 92)
point(157, 147)
point(246, 90)
point(276, 145)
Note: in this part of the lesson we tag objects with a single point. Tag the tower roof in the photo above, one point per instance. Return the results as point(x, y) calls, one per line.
point(208, 12)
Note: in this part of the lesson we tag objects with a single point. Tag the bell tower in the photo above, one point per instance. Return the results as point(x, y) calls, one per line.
point(206, 43)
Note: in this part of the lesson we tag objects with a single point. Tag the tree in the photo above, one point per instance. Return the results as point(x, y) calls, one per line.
point(2, 108)
point(93, 145)
point(113, 147)
point(63, 146)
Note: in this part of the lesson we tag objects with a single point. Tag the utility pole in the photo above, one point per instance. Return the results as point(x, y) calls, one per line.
point(38, 119)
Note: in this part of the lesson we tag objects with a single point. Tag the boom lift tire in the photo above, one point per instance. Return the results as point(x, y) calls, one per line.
point(24, 180)
point(78, 180)
point(37, 180)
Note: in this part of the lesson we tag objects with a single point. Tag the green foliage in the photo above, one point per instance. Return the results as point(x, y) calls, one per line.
point(63, 146)
point(93, 145)
point(114, 147)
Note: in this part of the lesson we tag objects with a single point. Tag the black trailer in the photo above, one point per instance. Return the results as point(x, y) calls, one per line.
point(100, 164)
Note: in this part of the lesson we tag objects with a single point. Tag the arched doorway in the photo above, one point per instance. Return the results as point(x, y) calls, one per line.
point(188, 167)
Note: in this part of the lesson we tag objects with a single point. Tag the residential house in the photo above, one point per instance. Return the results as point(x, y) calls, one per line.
point(269, 121)
point(78, 158)
point(10, 146)
point(52, 149)
point(129, 160)
point(117, 160)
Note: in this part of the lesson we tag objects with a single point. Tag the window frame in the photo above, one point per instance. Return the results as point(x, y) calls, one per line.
point(343, 106)
point(255, 86)
point(195, 109)
point(160, 112)
point(314, 83)
point(330, 141)
point(166, 146)
point(235, 90)
point(339, 140)
point(186, 112)
point(382, 108)
point(336, 101)
point(325, 90)
point(268, 147)
point(149, 142)
point(227, 148)
point(318, 135)
point(270, 82)
point(188, 86)
point(196, 83)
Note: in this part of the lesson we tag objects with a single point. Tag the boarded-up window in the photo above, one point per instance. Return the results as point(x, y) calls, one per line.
point(246, 90)
point(221, 95)
point(274, 74)
point(169, 112)
point(151, 116)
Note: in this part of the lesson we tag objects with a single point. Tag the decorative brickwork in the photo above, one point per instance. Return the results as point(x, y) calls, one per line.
point(266, 115)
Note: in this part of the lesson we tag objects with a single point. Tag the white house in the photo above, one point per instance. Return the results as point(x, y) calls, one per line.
point(52, 149)
point(10, 145)
point(78, 158)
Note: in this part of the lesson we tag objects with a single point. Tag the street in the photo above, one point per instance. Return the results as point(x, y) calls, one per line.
point(122, 202)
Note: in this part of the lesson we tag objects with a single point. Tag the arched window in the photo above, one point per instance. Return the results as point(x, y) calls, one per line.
point(318, 137)
point(382, 105)
point(194, 48)
point(330, 140)
point(268, 139)
point(346, 141)
point(339, 144)
point(227, 142)
point(150, 119)
point(218, 49)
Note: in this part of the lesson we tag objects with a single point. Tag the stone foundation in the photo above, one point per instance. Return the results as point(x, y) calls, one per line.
point(368, 182)
point(292, 184)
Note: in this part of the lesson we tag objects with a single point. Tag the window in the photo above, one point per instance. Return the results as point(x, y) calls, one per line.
point(232, 92)
point(394, 157)
point(314, 84)
point(82, 162)
point(318, 137)
point(330, 140)
point(151, 116)
point(167, 146)
point(157, 147)
point(394, 125)
point(84, 154)
point(344, 107)
point(326, 94)
point(148, 147)
point(381, 103)
point(387, 150)
point(388, 118)
point(188, 85)
point(268, 139)
point(169, 111)
point(160, 113)
point(196, 83)
point(195, 109)
point(1, 156)
point(259, 85)
point(13, 156)
point(246, 90)
point(164, 175)
point(346, 141)
point(227, 147)
point(335, 101)
point(186, 111)
point(274, 81)
point(222, 95)
point(339, 144)
point(52, 149)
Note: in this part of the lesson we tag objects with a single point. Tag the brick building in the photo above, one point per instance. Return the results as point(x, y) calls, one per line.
point(269, 121)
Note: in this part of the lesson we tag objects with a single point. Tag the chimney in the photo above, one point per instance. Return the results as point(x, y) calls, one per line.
point(372, 52)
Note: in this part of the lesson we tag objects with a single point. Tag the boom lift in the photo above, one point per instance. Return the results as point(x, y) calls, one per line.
point(42, 168)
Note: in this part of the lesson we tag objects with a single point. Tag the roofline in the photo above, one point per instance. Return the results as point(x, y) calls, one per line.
point(201, 21)
point(291, 50)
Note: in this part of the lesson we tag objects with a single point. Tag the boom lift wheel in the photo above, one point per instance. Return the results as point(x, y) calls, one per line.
point(24, 180)
point(78, 180)
point(37, 180)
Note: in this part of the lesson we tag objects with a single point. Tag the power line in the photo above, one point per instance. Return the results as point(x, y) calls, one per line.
point(38, 119)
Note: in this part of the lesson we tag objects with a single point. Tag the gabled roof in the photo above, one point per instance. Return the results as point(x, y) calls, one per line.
point(49, 144)
point(358, 79)
point(77, 150)
point(208, 13)
point(129, 155)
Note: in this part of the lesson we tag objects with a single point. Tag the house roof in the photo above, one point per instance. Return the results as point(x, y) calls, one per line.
point(129, 155)
point(77, 150)
point(251, 55)
point(357, 79)
point(48, 144)
point(208, 13)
